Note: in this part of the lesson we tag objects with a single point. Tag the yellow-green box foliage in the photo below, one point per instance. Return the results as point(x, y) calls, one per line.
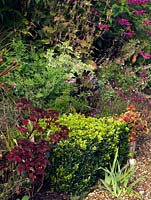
point(92, 144)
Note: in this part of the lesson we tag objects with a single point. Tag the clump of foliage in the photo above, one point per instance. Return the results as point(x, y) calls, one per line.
point(31, 161)
point(65, 20)
point(86, 89)
point(74, 81)
point(29, 164)
point(91, 144)
point(86, 24)
point(47, 77)
point(60, 156)
point(116, 35)
point(119, 181)
point(33, 123)
point(134, 120)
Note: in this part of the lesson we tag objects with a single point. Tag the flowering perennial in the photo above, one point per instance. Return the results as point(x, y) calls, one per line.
point(139, 12)
point(129, 34)
point(103, 26)
point(139, 2)
point(123, 22)
point(145, 55)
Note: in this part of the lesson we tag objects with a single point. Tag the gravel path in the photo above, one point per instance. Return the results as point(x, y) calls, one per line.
point(143, 159)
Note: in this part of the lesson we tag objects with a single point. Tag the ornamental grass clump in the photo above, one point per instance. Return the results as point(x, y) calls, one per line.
point(119, 181)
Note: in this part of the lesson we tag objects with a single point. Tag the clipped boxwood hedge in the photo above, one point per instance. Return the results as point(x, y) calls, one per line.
point(92, 143)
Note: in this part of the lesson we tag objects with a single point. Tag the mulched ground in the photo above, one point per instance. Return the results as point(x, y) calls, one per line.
point(51, 196)
point(143, 168)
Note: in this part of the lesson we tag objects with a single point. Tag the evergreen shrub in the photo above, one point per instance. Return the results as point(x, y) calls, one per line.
point(92, 144)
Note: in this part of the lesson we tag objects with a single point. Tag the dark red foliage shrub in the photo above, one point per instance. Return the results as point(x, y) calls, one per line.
point(30, 158)
point(29, 120)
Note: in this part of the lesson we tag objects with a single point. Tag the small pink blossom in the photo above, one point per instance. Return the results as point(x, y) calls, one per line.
point(139, 12)
point(103, 27)
point(145, 55)
point(129, 34)
point(137, 1)
point(148, 22)
point(143, 74)
point(123, 22)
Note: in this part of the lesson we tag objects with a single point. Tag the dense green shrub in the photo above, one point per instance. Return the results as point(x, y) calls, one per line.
point(92, 143)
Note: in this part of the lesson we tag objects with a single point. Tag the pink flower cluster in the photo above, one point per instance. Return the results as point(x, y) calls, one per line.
point(137, 1)
point(143, 75)
point(139, 12)
point(147, 22)
point(123, 22)
point(103, 27)
point(145, 55)
point(129, 34)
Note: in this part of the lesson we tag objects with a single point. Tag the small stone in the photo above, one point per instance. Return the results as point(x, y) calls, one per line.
point(132, 161)
point(141, 192)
